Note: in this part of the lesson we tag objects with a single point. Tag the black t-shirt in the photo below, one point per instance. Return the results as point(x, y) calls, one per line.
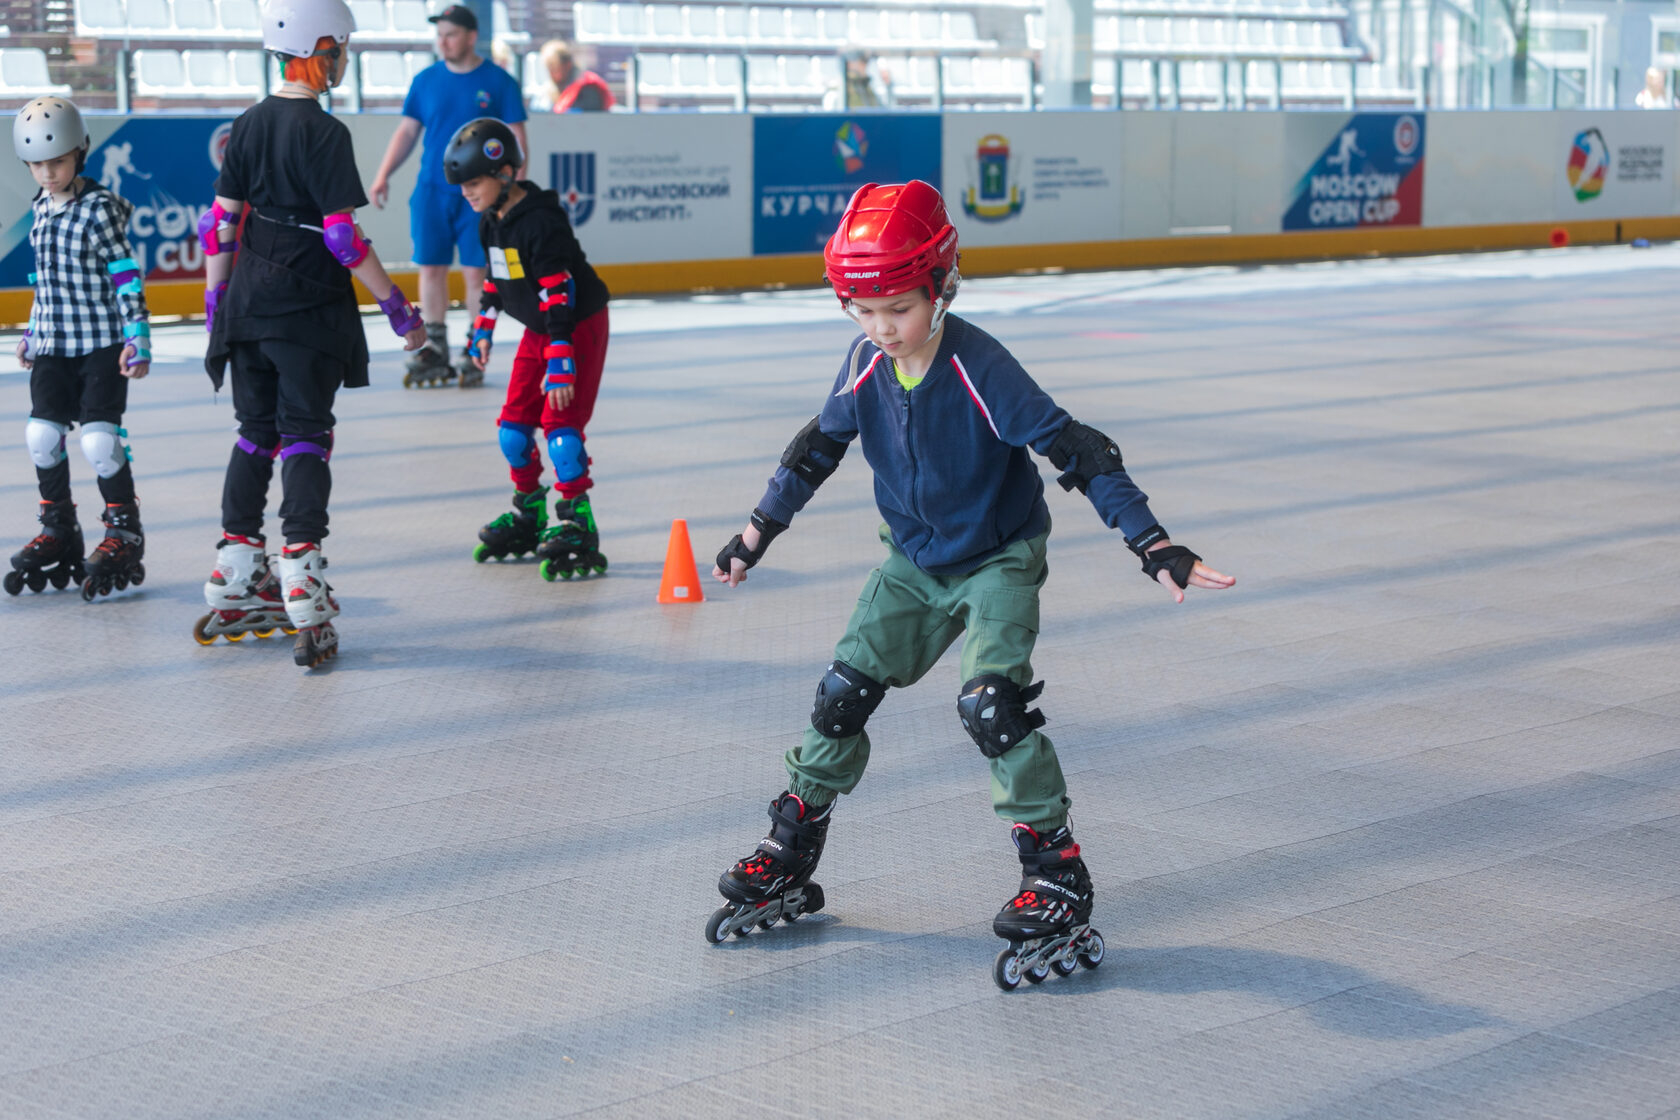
point(289, 154)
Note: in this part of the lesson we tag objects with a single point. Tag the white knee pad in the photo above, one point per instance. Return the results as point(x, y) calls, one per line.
point(46, 442)
point(102, 444)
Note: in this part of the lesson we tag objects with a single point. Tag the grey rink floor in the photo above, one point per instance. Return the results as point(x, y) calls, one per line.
point(1391, 829)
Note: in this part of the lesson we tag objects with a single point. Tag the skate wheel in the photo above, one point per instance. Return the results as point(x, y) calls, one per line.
point(1006, 970)
point(547, 570)
point(138, 576)
point(1037, 974)
point(767, 924)
point(235, 635)
point(814, 899)
point(121, 582)
point(1063, 966)
point(60, 579)
point(90, 588)
point(715, 932)
point(13, 582)
point(37, 580)
point(199, 635)
point(481, 552)
point(1092, 954)
point(269, 633)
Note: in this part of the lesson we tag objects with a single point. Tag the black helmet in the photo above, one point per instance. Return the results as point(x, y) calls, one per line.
point(480, 147)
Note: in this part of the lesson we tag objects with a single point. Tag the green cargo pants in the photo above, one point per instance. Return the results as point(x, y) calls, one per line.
point(905, 619)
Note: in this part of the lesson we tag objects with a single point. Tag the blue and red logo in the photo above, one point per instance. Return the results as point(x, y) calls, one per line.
point(483, 98)
point(1370, 174)
point(493, 149)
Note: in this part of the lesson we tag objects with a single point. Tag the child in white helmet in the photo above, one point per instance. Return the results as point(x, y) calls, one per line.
point(88, 335)
point(283, 315)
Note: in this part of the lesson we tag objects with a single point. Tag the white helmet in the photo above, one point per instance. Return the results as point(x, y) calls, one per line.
point(293, 27)
point(47, 128)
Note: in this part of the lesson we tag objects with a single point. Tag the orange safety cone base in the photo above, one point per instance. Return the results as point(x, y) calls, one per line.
point(681, 582)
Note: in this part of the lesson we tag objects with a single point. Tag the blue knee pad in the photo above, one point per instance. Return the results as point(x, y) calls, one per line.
point(519, 443)
point(565, 451)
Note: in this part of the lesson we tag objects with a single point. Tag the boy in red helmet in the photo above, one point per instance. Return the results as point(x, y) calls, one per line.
point(946, 419)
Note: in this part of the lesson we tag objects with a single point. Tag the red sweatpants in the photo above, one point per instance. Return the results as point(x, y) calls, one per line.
point(528, 405)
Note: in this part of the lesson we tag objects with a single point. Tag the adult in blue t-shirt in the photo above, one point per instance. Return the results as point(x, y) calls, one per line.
point(459, 87)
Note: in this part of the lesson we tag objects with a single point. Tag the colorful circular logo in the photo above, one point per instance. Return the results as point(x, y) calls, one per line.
point(1406, 135)
point(493, 149)
point(1589, 160)
point(219, 143)
point(483, 99)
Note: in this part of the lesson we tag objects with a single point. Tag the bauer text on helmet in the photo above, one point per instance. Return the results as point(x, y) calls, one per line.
point(893, 239)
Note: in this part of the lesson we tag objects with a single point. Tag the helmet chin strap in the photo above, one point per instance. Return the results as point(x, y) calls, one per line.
point(943, 303)
point(506, 180)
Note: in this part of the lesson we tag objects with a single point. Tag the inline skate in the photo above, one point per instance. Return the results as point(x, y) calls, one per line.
point(115, 562)
point(309, 603)
point(471, 376)
point(1048, 922)
point(430, 364)
point(516, 533)
point(572, 545)
point(54, 556)
point(775, 880)
point(243, 595)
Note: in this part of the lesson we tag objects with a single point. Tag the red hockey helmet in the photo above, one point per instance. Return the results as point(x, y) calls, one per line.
point(893, 239)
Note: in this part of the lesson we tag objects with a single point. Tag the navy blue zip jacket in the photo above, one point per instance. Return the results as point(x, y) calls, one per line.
point(953, 478)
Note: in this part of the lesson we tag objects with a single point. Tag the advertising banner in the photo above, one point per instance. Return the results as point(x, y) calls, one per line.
point(648, 188)
point(167, 168)
point(1367, 172)
point(807, 167)
point(1015, 179)
point(1614, 165)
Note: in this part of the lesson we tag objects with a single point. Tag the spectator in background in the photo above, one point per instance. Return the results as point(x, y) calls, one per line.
point(575, 90)
point(459, 87)
point(1655, 95)
point(858, 88)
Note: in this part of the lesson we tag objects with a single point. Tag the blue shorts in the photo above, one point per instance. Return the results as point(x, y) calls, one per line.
point(440, 223)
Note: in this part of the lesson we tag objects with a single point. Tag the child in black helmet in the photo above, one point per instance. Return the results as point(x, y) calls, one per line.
point(538, 274)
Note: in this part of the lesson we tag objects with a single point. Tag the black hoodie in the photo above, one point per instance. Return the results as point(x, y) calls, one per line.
point(530, 251)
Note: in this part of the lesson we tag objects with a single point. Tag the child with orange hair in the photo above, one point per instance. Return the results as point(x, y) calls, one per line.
point(283, 316)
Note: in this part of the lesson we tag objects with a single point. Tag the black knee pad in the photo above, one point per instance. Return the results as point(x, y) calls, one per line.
point(993, 710)
point(846, 699)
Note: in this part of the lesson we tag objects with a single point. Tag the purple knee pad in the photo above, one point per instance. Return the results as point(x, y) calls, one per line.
point(251, 447)
point(319, 443)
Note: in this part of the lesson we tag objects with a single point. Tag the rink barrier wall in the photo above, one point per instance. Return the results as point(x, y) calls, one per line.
point(670, 203)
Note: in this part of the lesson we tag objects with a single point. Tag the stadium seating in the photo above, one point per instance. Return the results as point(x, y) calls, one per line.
point(23, 75)
point(974, 53)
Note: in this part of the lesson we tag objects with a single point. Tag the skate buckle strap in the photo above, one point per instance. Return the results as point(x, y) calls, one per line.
point(1050, 857)
point(251, 448)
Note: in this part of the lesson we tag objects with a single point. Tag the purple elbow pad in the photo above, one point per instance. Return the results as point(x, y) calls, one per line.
point(213, 299)
point(343, 242)
point(404, 318)
point(214, 227)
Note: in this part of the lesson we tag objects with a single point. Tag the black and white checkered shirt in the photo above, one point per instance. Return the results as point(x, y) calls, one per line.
point(77, 306)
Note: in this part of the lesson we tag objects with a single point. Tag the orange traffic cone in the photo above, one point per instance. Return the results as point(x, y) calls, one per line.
point(681, 582)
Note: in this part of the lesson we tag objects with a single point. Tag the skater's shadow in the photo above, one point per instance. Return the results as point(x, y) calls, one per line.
point(1336, 996)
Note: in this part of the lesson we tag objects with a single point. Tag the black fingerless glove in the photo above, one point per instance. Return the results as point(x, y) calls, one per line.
point(1176, 560)
point(768, 530)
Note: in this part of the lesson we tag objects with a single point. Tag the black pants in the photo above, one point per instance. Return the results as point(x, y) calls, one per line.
point(283, 397)
point(80, 389)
